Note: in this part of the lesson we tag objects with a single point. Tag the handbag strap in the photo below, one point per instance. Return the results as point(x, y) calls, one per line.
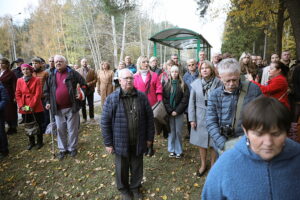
point(148, 84)
point(237, 114)
point(282, 96)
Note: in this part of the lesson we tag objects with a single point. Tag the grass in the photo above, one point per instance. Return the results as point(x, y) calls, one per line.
point(90, 175)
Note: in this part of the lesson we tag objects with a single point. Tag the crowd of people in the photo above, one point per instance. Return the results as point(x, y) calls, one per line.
point(221, 100)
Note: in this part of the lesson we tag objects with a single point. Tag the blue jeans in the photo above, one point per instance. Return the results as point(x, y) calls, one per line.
point(175, 135)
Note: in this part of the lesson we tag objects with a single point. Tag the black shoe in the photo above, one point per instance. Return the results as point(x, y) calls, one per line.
point(30, 146)
point(137, 196)
point(150, 151)
point(61, 155)
point(126, 196)
point(3, 155)
point(39, 145)
point(11, 131)
point(199, 174)
point(73, 153)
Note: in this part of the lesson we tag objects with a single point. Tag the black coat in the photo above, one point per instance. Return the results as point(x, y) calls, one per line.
point(181, 98)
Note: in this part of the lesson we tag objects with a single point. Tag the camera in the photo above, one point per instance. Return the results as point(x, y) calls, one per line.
point(227, 131)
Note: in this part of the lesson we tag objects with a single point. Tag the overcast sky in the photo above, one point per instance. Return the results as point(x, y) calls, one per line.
point(179, 12)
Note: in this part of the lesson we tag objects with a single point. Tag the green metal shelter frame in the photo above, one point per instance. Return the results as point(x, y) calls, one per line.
point(181, 39)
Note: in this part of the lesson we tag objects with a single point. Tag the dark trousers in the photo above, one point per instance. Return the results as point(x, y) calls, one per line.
point(90, 100)
point(40, 120)
point(46, 120)
point(3, 137)
point(124, 165)
point(188, 124)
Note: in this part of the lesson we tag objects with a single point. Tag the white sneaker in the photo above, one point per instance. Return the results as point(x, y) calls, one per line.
point(172, 155)
point(178, 156)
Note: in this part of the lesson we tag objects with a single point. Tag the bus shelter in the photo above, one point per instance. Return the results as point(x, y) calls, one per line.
point(181, 39)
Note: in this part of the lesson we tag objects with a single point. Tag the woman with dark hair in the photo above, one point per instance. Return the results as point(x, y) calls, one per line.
point(105, 81)
point(9, 79)
point(28, 96)
point(277, 86)
point(264, 164)
point(200, 90)
point(176, 99)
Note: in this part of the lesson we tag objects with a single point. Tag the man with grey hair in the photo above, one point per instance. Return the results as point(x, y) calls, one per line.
point(90, 77)
point(127, 129)
point(130, 65)
point(63, 96)
point(225, 104)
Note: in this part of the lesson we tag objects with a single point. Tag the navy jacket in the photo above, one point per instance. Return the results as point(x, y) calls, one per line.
point(241, 174)
point(220, 109)
point(114, 125)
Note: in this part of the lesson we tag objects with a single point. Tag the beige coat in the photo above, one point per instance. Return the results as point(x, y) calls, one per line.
point(104, 84)
point(91, 78)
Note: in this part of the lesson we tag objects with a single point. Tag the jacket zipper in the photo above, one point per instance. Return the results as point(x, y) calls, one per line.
point(269, 180)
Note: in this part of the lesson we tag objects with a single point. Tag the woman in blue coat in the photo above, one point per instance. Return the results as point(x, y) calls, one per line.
point(200, 89)
point(264, 164)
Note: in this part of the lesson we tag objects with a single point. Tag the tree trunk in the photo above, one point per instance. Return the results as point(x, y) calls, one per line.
point(253, 48)
point(149, 42)
point(64, 36)
point(265, 45)
point(279, 28)
point(97, 46)
point(123, 39)
point(90, 40)
point(141, 38)
point(293, 7)
point(114, 42)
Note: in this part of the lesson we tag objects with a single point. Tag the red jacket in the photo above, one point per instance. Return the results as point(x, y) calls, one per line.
point(29, 94)
point(277, 87)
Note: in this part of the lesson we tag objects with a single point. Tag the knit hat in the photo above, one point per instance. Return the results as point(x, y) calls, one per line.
point(26, 65)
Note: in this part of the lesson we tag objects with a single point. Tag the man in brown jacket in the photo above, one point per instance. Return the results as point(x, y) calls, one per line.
point(90, 77)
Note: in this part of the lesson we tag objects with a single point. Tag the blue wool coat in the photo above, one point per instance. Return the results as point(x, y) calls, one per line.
point(114, 125)
point(241, 174)
point(220, 109)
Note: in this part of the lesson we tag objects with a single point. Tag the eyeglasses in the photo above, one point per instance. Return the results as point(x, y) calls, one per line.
point(127, 78)
point(145, 61)
point(191, 65)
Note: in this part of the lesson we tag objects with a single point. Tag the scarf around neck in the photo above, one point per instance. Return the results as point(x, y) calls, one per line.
point(27, 78)
point(206, 85)
point(173, 92)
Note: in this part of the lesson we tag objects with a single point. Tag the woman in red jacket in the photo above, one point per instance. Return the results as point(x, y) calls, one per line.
point(28, 97)
point(277, 86)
